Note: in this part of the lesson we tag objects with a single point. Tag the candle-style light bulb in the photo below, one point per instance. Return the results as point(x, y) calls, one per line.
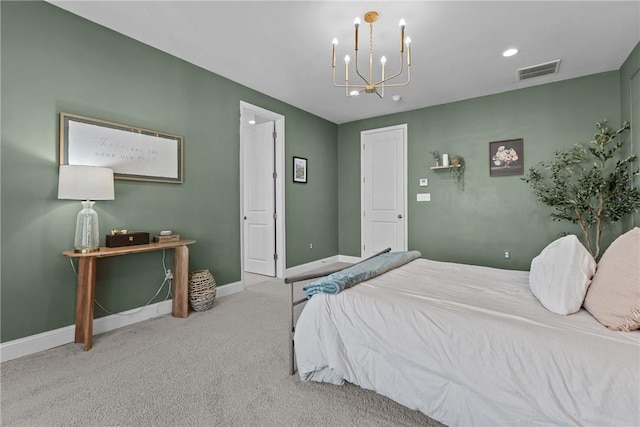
point(408, 43)
point(334, 42)
point(402, 24)
point(346, 69)
point(356, 22)
point(383, 61)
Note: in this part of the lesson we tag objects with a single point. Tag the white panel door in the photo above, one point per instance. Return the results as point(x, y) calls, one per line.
point(383, 190)
point(259, 200)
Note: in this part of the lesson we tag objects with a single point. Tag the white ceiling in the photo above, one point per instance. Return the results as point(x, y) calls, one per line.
point(283, 48)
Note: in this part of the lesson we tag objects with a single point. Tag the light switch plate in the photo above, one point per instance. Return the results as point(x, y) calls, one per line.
point(424, 182)
point(424, 197)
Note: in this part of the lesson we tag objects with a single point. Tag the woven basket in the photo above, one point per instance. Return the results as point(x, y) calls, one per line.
point(202, 290)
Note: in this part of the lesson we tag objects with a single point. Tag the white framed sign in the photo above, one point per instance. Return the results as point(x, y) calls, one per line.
point(132, 152)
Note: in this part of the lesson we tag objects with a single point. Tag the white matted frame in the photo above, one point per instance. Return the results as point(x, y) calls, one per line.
point(133, 153)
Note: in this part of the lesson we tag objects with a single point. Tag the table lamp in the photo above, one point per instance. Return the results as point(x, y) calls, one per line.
point(86, 183)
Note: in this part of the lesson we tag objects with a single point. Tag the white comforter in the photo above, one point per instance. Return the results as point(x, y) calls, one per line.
point(471, 345)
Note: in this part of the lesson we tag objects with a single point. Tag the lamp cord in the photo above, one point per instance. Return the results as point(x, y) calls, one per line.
point(166, 279)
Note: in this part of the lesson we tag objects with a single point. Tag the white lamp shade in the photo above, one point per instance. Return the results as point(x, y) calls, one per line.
point(85, 182)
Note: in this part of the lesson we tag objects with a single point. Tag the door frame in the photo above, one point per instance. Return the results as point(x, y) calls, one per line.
point(405, 195)
point(248, 110)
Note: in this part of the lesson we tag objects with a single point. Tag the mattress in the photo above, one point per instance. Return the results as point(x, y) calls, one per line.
point(470, 345)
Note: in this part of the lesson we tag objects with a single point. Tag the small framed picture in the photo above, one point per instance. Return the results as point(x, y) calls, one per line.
point(300, 170)
point(506, 157)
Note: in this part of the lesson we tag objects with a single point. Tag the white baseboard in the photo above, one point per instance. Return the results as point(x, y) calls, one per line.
point(129, 317)
point(231, 288)
point(39, 342)
point(35, 343)
point(349, 259)
point(57, 337)
point(313, 265)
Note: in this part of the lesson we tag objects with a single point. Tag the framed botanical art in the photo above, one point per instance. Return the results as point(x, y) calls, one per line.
point(300, 170)
point(506, 157)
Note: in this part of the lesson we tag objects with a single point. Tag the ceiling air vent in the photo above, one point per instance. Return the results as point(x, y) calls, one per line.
point(539, 70)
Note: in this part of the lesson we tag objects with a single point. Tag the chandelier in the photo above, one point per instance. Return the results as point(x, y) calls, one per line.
point(370, 85)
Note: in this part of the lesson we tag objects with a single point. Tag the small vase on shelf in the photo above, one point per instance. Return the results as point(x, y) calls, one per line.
point(436, 157)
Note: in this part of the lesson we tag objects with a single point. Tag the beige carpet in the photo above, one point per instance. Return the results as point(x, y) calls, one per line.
point(223, 367)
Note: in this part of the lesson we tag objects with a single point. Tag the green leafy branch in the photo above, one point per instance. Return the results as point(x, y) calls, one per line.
point(589, 185)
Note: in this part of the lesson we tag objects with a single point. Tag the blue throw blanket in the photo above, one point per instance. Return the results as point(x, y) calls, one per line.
point(365, 270)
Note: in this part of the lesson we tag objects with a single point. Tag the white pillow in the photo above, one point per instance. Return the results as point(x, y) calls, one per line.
point(561, 274)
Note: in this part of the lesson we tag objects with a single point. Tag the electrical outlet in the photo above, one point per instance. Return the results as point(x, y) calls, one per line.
point(424, 182)
point(310, 245)
point(168, 274)
point(507, 254)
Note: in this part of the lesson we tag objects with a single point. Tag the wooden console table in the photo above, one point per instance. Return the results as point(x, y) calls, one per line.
point(85, 292)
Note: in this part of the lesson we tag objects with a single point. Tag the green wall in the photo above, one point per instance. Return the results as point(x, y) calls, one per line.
point(492, 214)
point(630, 69)
point(54, 61)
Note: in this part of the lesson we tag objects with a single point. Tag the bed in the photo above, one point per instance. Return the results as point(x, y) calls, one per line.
point(470, 345)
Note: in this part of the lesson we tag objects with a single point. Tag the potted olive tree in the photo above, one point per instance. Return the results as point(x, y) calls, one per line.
point(589, 185)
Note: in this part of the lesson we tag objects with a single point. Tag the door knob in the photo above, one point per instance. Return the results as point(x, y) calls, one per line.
point(245, 218)
point(400, 216)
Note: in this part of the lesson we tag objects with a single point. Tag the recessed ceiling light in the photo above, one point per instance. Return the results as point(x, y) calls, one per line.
point(509, 52)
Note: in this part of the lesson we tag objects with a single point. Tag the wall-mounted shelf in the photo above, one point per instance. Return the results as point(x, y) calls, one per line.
point(445, 167)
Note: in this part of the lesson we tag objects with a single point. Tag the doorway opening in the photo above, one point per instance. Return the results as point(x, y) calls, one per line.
point(262, 232)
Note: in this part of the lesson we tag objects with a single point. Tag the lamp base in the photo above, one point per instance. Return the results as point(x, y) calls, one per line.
point(87, 238)
point(86, 251)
